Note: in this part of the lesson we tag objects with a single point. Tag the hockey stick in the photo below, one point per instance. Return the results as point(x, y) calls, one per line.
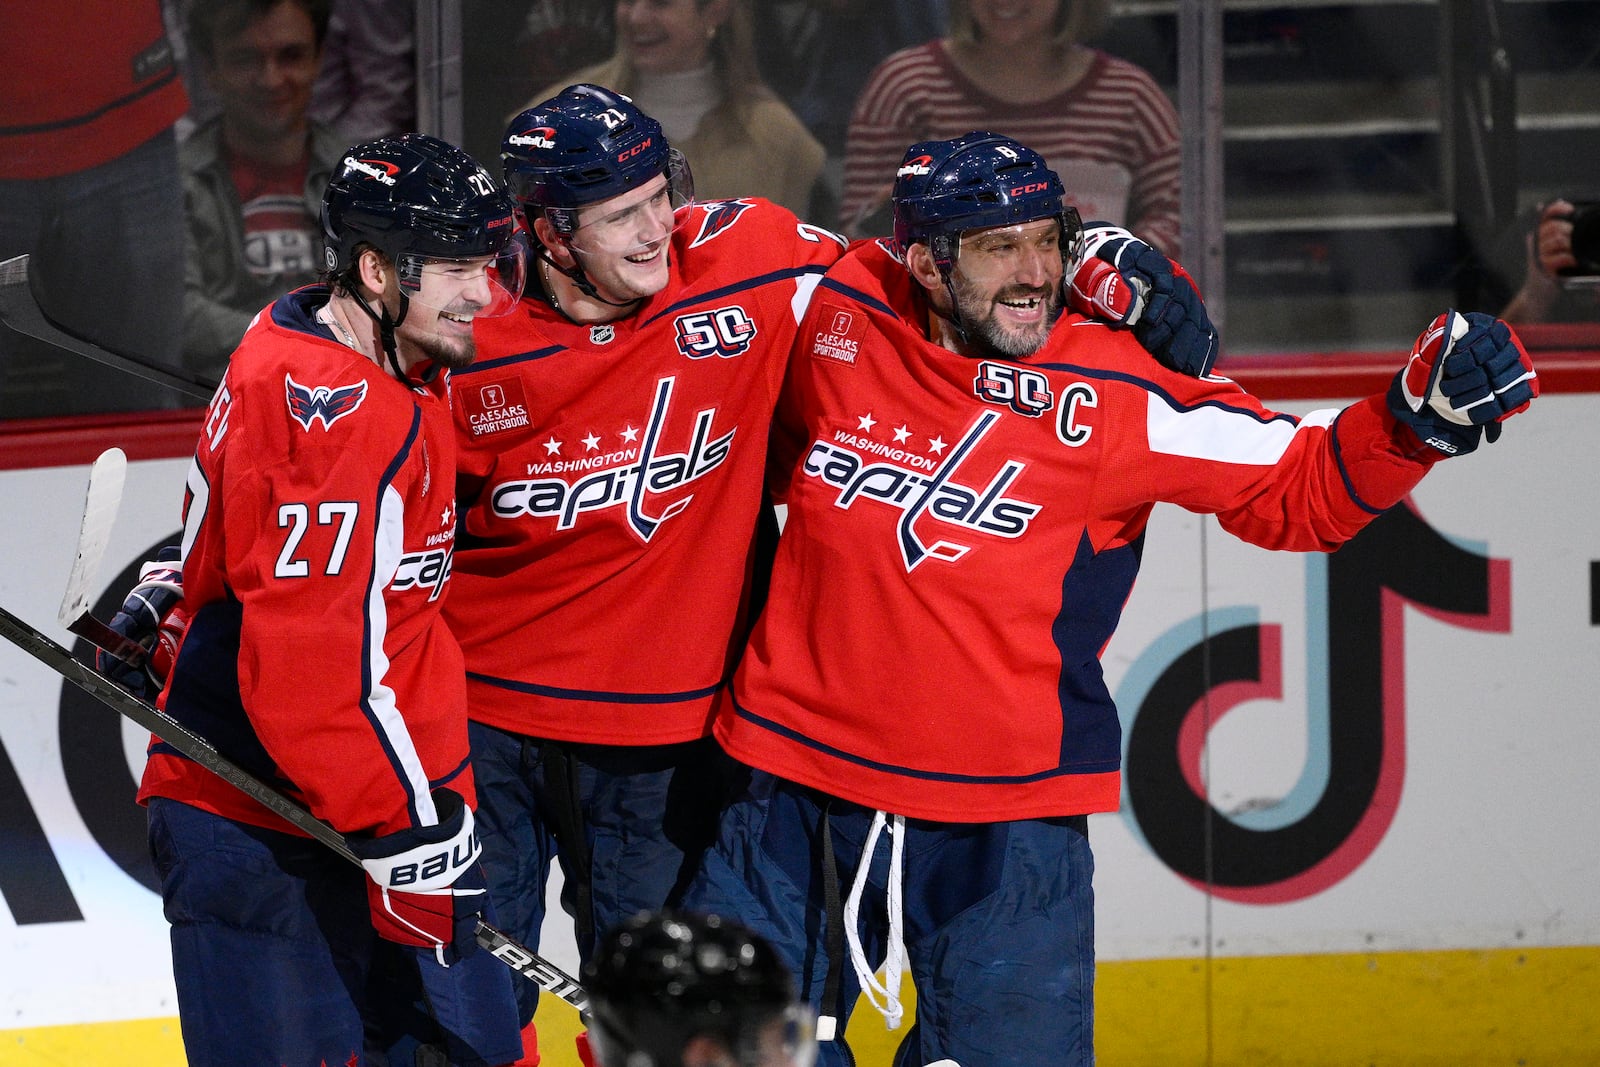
point(94, 533)
point(20, 310)
point(524, 961)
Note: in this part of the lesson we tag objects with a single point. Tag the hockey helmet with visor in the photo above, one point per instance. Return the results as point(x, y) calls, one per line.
point(979, 180)
point(430, 208)
point(565, 157)
point(661, 979)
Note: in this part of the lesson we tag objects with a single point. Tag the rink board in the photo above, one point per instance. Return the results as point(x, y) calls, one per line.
point(1445, 913)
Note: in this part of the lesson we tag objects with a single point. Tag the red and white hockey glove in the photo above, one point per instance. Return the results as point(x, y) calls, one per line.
point(152, 615)
point(1122, 280)
point(1466, 375)
point(425, 886)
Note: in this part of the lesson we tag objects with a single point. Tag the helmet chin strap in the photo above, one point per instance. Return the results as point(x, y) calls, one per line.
point(576, 275)
point(387, 325)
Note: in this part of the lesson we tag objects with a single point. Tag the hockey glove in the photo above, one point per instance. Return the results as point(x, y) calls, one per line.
point(1467, 374)
point(425, 886)
point(152, 615)
point(1155, 297)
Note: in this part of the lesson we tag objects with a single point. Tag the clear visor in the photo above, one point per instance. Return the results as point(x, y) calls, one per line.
point(787, 1040)
point(639, 220)
point(1029, 251)
point(487, 286)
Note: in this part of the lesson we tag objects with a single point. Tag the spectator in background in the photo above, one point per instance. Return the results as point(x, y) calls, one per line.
point(1542, 297)
point(692, 65)
point(89, 185)
point(253, 176)
point(819, 53)
point(1019, 68)
point(368, 84)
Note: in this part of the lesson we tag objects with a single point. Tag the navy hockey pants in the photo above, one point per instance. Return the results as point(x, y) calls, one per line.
point(277, 964)
point(628, 825)
point(999, 921)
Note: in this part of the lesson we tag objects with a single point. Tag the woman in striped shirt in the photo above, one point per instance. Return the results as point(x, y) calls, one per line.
point(1017, 67)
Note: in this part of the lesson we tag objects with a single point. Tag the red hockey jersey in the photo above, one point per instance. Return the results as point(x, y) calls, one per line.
point(963, 534)
point(319, 527)
point(610, 482)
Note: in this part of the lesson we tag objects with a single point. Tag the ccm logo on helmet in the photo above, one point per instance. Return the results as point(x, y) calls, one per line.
point(539, 137)
point(623, 157)
point(373, 168)
point(1031, 187)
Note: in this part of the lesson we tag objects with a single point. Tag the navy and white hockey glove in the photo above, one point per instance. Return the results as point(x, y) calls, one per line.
point(1467, 374)
point(1123, 280)
point(152, 616)
point(425, 886)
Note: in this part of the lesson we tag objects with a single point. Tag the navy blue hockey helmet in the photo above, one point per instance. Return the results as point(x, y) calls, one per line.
point(977, 180)
point(583, 145)
point(413, 197)
point(660, 979)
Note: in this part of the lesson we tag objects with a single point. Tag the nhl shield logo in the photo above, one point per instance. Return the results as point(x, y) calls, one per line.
point(603, 334)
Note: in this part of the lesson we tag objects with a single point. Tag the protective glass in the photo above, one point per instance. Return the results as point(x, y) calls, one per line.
point(1004, 255)
point(631, 222)
point(786, 1040)
point(479, 286)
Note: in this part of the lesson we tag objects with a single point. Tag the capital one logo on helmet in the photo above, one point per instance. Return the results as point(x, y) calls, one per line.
point(920, 166)
point(378, 169)
point(935, 495)
point(538, 137)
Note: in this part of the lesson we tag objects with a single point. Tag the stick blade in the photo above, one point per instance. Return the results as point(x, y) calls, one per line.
point(100, 505)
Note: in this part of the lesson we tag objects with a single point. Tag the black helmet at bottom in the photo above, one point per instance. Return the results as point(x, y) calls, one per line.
point(660, 979)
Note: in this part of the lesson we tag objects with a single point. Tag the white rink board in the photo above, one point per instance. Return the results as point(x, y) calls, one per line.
point(1491, 843)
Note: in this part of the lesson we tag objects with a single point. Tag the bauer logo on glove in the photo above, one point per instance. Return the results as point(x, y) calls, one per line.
point(1467, 374)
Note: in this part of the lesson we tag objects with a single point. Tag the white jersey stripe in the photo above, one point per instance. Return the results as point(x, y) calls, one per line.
point(1222, 435)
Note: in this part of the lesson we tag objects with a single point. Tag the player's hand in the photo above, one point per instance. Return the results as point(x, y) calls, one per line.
point(1467, 374)
point(153, 617)
point(1125, 281)
point(1552, 239)
point(425, 886)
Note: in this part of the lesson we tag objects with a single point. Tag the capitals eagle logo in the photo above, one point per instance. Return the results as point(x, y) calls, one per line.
point(307, 404)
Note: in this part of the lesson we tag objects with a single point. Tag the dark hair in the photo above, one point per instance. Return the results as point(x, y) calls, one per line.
point(209, 19)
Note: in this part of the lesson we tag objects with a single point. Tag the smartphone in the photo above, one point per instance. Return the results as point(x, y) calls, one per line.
point(1585, 238)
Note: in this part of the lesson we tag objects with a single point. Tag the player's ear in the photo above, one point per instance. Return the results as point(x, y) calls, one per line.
point(919, 261)
point(372, 270)
point(557, 249)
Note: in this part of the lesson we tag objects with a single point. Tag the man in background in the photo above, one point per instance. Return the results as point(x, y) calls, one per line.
point(253, 175)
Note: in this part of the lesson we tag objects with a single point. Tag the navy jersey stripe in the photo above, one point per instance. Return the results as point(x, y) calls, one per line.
point(596, 695)
point(1096, 767)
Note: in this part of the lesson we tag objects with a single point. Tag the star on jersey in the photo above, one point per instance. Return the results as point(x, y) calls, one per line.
point(867, 422)
point(630, 478)
point(861, 468)
point(591, 443)
point(936, 445)
point(901, 435)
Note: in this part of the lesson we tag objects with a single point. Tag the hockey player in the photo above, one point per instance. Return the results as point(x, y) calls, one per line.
point(674, 989)
point(318, 530)
point(613, 437)
point(968, 479)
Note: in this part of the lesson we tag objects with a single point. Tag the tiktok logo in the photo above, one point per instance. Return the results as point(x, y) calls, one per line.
point(1349, 791)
